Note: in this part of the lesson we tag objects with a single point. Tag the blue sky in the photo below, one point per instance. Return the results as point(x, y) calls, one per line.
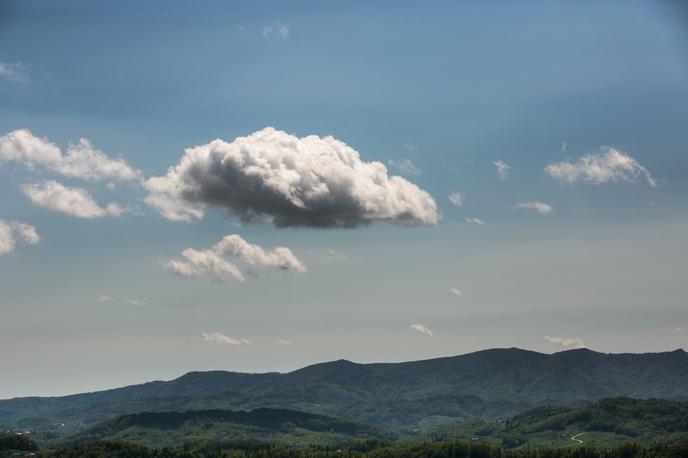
point(450, 88)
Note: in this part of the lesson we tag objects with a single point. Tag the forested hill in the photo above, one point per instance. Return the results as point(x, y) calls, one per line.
point(274, 426)
point(490, 384)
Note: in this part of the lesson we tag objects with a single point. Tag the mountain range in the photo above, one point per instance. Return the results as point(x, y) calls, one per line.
point(490, 384)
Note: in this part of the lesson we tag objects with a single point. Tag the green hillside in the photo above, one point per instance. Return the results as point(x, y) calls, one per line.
point(273, 426)
point(608, 422)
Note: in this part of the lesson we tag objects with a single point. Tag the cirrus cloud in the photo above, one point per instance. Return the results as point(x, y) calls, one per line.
point(309, 181)
point(608, 166)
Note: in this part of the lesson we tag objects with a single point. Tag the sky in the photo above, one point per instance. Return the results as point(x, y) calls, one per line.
point(258, 186)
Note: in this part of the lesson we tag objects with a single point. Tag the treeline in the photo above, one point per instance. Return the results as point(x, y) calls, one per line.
point(20, 442)
point(630, 417)
point(432, 450)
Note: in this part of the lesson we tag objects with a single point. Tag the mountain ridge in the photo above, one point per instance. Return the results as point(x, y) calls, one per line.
point(491, 384)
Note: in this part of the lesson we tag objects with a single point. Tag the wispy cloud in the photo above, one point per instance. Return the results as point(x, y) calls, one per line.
point(538, 206)
point(11, 230)
point(422, 329)
point(456, 198)
point(475, 221)
point(279, 31)
point(136, 302)
point(13, 71)
point(405, 167)
point(608, 166)
point(104, 298)
point(282, 342)
point(218, 338)
point(212, 263)
point(335, 256)
point(566, 342)
point(502, 168)
point(75, 202)
point(456, 292)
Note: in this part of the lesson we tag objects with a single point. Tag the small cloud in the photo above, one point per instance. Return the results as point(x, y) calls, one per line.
point(422, 329)
point(104, 298)
point(475, 221)
point(405, 167)
point(566, 342)
point(608, 166)
point(80, 160)
point(279, 31)
point(502, 168)
point(678, 329)
point(335, 256)
point(76, 202)
point(218, 338)
point(213, 263)
point(456, 292)
point(13, 71)
point(563, 147)
point(282, 342)
point(136, 302)
point(540, 207)
point(11, 230)
point(456, 198)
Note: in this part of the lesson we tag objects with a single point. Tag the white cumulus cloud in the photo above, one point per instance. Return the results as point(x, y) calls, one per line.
point(566, 342)
point(81, 160)
point(502, 168)
point(75, 202)
point(212, 263)
point(220, 339)
point(282, 342)
point(608, 166)
point(538, 206)
point(422, 329)
point(309, 181)
point(11, 230)
point(104, 298)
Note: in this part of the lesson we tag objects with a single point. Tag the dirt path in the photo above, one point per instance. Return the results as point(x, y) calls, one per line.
point(575, 438)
